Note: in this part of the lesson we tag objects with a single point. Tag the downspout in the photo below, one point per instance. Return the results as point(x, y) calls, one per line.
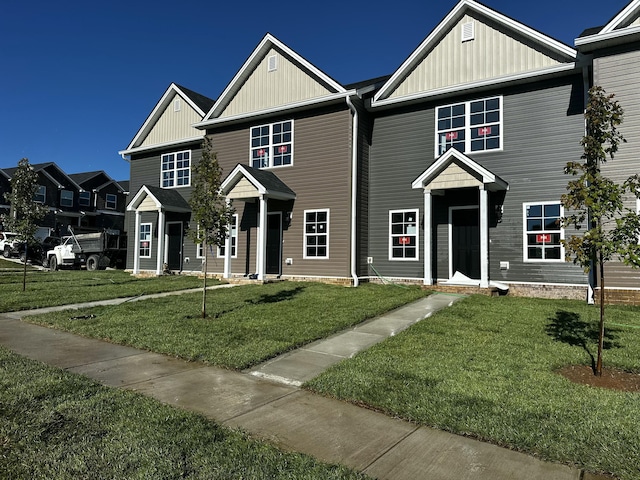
point(592, 273)
point(354, 189)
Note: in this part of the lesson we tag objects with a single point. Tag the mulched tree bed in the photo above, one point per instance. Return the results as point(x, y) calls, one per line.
point(611, 378)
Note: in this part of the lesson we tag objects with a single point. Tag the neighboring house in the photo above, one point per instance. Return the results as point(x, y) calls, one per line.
point(161, 155)
point(614, 51)
point(102, 202)
point(60, 193)
point(470, 139)
point(5, 187)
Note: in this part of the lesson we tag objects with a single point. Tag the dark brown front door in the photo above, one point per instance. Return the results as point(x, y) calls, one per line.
point(274, 244)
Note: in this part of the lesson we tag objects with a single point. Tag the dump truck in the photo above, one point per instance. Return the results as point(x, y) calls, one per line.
point(95, 251)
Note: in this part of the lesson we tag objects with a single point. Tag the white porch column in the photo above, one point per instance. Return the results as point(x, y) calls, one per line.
point(136, 248)
point(160, 242)
point(484, 237)
point(262, 238)
point(227, 249)
point(428, 238)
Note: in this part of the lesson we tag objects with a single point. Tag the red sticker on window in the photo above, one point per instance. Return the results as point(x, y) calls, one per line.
point(261, 152)
point(543, 238)
point(404, 240)
point(282, 149)
point(484, 131)
point(451, 136)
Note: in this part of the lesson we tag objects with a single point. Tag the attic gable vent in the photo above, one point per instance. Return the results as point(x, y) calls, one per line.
point(176, 105)
point(272, 63)
point(468, 31)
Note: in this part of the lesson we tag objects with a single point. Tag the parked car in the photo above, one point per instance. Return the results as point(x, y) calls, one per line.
point(37, 252)
point(7, 241)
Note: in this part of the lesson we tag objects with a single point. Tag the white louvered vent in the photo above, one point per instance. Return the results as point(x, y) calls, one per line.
point(176, 105)
point(468, 31)
point(272, 63)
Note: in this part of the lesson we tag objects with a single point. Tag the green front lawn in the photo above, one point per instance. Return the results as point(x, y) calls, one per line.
point(485, 367)
point(246, 325)
point(46, 289)
point(59, 426)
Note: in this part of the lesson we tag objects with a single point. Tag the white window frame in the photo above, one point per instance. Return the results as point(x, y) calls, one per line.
point(171, 180)
point(62, 204)
point(234, 239)
point(468, 128)
point(113, 202)
point(147, 238)
point(41, 192)
point(269, 148)
point(526, 232)
point(416, 234)
point(82, 197)
point(324, 234)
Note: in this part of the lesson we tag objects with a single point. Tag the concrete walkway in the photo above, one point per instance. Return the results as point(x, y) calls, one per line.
point(330, 430)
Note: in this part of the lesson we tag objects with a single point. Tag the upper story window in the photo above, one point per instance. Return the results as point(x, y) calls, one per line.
point(111, 201)
point(84, 199)
point(543, 232)
point(403, 235)
point(469, 126)
point(176, 169)
point(272, 145)
point(66, 198)
point(41, 194)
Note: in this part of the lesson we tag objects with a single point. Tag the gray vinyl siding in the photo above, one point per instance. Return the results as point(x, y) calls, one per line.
point(145, 170)
point(618, 72)
point(542, 128)
point(321, 178)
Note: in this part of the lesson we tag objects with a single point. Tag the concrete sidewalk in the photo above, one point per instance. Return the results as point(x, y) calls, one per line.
point(330, 430)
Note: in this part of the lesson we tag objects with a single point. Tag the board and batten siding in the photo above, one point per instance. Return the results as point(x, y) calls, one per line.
point(454, 62)
point(542, 129)
point(321, 178)
point(174, 125)
point(265, 88)
point(618, 72)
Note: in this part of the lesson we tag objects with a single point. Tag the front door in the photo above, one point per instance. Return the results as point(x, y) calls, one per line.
point(465, 242)
point(274, 243)
point(174, 245)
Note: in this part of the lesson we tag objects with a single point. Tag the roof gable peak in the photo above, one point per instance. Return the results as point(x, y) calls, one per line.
point(269, 43)
point(495, 20)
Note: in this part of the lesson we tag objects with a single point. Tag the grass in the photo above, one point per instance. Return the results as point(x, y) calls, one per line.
point(485, 367)
point(246, 324)
point(46, 289)
point(56, 425)
point(8, 265)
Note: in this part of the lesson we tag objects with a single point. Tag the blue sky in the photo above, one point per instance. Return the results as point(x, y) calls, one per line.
point(79, 78)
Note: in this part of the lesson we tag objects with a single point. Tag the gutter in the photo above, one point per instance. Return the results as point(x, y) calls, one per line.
point(354, 188)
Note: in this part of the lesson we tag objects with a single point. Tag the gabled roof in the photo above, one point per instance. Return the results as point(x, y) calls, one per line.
point(84, 177)
point(489, 179)
point(563, 55)
point(164, 199)
point(266, 182)
point(125, 185)
point(42, 168)
point(267, 44)
point(619, 29)
point(199, 103)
